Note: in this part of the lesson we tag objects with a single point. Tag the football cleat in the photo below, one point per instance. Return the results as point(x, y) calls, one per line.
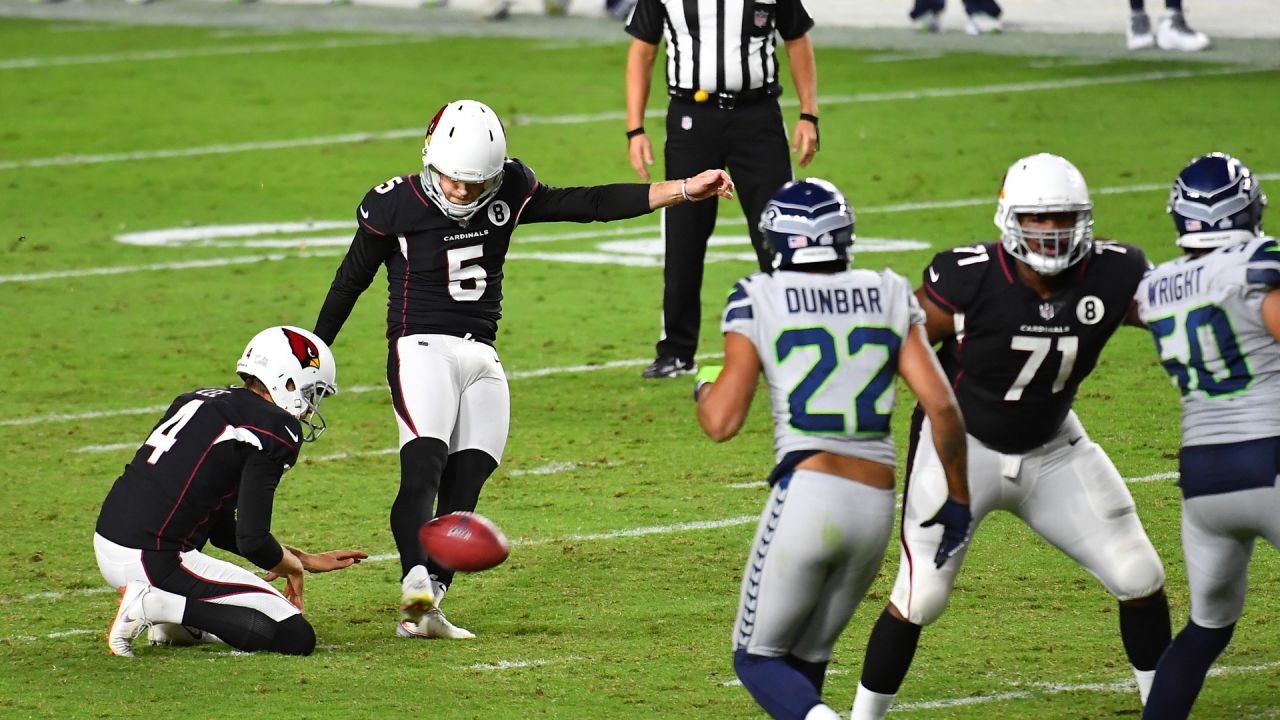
point(130, 620)
point(1175, 34)
point(416, 594)
point(434, 625)
point(929, 22)
point(668, 367)
point(175, 635)
point(1138, 35)
point(984, 24)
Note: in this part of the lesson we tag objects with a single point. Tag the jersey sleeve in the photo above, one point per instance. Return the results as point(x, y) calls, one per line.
point(273, 432)
point(739, 312)
point(900, 286)
point(954, 276)
point(793, 19)
point(1263, 267)
point(646, 21)
point(376, 212)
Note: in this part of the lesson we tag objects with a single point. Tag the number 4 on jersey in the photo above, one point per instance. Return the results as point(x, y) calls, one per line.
point(166, 433)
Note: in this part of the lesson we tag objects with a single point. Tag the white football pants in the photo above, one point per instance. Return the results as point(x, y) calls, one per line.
point(817, 549)
point(453, 390)
point(1218, 535)
point(119, 565)
point(1067, 491)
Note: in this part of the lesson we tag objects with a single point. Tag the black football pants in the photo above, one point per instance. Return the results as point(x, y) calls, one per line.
point(751, 142)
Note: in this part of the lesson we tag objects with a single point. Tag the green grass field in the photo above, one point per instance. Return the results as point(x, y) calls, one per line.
point(100, 143)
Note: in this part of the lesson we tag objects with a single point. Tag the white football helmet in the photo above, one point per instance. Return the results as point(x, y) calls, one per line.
point(1045, 183)
point(466, 142)
point(298, 370)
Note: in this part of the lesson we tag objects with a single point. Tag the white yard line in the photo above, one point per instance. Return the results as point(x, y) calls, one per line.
point(612, 116)
point(572, 235)
point(32, 63)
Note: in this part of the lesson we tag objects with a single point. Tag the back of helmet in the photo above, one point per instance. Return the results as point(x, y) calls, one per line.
point(1216, 201)
point(809, 225)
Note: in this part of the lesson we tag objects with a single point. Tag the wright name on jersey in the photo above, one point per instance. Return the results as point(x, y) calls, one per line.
point(1017, 360)
point(828, 345)
point(1205, 314)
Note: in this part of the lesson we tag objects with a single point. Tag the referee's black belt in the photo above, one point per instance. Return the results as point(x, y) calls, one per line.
point(726, 99)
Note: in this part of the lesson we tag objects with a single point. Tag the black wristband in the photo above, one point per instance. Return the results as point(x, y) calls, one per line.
point(811, 118)
point(634, 132)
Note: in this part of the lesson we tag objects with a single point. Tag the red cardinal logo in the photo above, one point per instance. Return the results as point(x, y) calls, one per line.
point(304, 350)
point(431, 127)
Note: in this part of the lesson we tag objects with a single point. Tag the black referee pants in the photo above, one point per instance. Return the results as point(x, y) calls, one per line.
point(751, 142)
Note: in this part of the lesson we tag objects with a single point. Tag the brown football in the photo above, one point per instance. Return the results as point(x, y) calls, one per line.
point(464, 541)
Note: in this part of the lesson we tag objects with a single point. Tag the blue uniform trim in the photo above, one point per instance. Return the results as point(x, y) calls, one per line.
point(737, 293)
point(1263, 276)
point(739, 313)
point(788, 465)
point(1268, 251)
point(1229, 467)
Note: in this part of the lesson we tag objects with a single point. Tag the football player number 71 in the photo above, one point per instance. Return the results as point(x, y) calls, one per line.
point(1039, 348)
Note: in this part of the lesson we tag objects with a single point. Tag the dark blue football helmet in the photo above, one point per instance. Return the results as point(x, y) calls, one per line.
point(808, 221)
point(1216, 201)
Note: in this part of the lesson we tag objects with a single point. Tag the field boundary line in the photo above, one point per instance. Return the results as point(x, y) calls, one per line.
point(617, 115)
point(572, 235)
point(36, 63)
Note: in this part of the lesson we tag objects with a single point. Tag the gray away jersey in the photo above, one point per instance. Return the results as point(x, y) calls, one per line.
point(1206, 316)
point(828, 345)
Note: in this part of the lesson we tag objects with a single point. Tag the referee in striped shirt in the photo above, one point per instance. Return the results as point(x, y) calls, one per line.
point(722, 80)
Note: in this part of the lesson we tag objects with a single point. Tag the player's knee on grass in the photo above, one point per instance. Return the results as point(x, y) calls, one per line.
point(294, 636)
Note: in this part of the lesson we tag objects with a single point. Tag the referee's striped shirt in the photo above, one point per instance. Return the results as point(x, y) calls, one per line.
point(719, 45)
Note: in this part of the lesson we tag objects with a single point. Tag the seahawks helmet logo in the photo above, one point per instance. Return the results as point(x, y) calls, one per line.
point(303, 349)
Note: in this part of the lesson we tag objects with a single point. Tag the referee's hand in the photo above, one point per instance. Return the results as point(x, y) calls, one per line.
point(641, 152)
point(805, 141)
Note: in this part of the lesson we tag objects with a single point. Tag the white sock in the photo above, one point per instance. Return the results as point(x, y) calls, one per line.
point(1145, 678)
point(868, 705)
point(822, 712)
point(160, 606)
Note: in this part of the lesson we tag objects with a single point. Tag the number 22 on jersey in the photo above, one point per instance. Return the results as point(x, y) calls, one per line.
point(875, 380)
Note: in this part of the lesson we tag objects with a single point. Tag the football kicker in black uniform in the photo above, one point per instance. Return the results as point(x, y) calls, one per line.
point(1021, 324)
point(443, 235)
point(208, 474)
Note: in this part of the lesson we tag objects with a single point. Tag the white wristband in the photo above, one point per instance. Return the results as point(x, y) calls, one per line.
point(683, 192)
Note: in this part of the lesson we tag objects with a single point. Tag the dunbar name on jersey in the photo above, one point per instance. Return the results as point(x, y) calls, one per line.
point(1016, 360)
point(443, 276)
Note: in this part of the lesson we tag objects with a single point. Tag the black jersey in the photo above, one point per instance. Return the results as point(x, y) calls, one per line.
point(215, 451)
point(445, 276)
point(1016, 359)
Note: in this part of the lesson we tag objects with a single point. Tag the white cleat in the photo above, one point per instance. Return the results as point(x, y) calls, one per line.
point(984, 24)
point(130, 620)
point(929, 22)
point(1175, 34)
point(416, 594)
point(434, 625)
point(1138, 35)
point(175, 635)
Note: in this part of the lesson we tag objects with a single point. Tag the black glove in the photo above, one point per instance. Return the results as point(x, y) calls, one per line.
point(955, 519)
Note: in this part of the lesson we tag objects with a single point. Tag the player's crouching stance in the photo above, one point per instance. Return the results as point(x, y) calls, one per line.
point(208, 473)
point(1022, 323)
point(829, 340)
point(443, 234)
point(1215, 315)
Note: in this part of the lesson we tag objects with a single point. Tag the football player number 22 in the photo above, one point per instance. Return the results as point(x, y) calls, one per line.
point(866, 418)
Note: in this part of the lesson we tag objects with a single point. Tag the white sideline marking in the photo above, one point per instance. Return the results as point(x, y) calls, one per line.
point(30, 63)
point(513, 664)
point(1048, 688)
point(517, 375)
point(179, 265)
point(1141, 479)
point(641, 261)
point(926, 93)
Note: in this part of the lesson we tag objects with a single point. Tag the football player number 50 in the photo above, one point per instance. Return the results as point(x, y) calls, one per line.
point(867, 419)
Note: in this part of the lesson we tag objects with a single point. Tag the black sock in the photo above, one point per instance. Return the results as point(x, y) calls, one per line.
point(890, 650)
point(1174, 5)
point(240, 627)
point(422, 462)
point(1137, 5)
point(1145, 630)
point(464, 476)
point(1182, 671)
